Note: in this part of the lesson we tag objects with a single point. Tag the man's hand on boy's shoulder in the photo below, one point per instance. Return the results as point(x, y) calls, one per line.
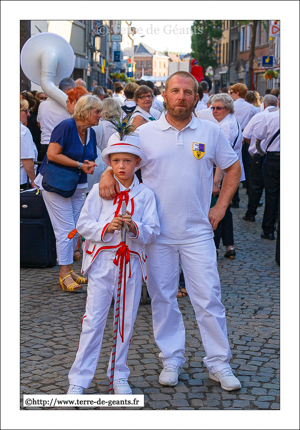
point(108, 186)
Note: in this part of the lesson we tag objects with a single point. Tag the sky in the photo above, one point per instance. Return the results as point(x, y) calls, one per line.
point(172, 36)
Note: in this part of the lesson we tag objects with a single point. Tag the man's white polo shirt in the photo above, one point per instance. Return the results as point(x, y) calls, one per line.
point(50, 114)
point(248, 132)
point(266, 129)
point(180, 172)
point(244, 111)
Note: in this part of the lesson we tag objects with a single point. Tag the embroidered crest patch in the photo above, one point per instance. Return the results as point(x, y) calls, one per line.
point(198, 150)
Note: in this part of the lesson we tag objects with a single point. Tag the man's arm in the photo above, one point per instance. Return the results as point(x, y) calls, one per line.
point(230, 183)
point(108, 186)
point(28, 165)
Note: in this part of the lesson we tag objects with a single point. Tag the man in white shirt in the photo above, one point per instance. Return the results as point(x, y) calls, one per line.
point(207, 113)
point(205, 89)
point(51, 113)
point(256, 183)
point(269, 131)
point(28, 157)
point(181, 152)
point(243, 111)
point(118, 93)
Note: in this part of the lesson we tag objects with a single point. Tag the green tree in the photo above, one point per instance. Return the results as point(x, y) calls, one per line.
point(254, 25)
point(204, 35)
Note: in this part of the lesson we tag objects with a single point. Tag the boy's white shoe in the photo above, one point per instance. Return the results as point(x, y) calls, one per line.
point(75, 389)
point(227, 379)
point(169, 375)
point(121, 386)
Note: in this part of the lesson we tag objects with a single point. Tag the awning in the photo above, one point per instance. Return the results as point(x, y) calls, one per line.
point(154, 78)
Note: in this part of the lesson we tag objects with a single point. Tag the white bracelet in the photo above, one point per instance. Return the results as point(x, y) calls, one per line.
point(219, 186)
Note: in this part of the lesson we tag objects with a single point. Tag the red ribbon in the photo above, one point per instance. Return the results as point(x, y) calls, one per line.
point(121, 259)
point(122, 196)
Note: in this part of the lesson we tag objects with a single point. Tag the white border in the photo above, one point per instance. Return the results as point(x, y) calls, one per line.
point(287, 417)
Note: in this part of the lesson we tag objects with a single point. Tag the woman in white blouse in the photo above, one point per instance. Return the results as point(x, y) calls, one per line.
point(143, 97)
point(222, 108)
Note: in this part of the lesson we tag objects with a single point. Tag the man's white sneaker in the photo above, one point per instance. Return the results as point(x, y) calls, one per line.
point(75, 389)
point(169, 375)
point(227, 379)
point(121, 386)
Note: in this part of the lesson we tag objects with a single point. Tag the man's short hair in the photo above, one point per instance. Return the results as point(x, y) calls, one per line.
point(270, 100)
point(80, 83)
point(156, 91)
point(185, 75)
point(250, 97)
point(150, 85)
point(129, 90)
point(200, 92)
point(275, 92)
point(239, 88)
point(118, 87)
point(67, 84)
point(204, 85)
point(98, 91)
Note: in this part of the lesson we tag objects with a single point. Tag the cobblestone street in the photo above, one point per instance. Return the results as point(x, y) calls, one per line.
point(50, 328)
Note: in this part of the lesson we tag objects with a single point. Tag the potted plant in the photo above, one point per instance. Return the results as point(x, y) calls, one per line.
point(270, 74)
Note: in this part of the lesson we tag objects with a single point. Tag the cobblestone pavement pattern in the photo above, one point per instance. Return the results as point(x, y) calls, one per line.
point(50, 329)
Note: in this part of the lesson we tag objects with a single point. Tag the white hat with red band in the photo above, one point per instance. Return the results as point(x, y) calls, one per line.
point(130, 145)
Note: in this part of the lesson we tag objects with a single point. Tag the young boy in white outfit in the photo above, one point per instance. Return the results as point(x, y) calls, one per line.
point(101, 224)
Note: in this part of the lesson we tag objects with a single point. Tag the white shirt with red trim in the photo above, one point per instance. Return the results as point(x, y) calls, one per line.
point(97, 214)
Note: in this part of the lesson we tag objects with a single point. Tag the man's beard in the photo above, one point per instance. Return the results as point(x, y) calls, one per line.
point(179, 114)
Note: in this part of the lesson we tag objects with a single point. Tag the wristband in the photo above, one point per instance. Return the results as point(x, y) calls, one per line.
point(219, 186)
point(79, 164)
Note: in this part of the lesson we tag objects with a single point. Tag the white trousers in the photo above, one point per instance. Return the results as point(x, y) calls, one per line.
point(102, 286)
point(64, 214)
point(202, 281)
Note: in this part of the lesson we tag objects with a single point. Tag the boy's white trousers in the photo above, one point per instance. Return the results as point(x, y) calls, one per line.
point(103, 282)
point(198, 261)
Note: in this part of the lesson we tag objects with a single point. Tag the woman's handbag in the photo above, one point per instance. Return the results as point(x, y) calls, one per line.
point(59, 180)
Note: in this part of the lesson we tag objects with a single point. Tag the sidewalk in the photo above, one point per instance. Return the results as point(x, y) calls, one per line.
point(50, 329)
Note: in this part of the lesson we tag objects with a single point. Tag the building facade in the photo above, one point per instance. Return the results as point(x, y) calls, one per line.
point(149, 62)
point(89, 40)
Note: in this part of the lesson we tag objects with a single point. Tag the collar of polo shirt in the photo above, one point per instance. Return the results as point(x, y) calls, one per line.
point(165, 125)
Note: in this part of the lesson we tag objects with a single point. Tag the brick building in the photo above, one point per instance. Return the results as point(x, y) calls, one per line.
point(149, 62)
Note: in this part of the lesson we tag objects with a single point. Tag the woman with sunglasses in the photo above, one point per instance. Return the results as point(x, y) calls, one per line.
point(222, 108)
point(143, 97)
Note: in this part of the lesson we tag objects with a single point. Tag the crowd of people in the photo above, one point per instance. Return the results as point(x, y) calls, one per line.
point(185, 153)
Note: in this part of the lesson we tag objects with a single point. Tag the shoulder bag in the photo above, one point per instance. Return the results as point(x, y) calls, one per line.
point(60, 180)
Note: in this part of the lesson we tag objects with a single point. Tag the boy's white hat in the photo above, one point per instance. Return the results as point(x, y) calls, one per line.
point(130, 144)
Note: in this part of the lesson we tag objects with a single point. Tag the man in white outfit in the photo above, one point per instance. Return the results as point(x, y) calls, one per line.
point(51, 113)
point(181, 152)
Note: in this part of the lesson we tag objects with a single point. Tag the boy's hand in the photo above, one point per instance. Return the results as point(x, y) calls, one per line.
point(131, 226)
point(116, 224)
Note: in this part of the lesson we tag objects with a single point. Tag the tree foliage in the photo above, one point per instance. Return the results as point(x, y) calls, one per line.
point(254, 25)
point(204, 35)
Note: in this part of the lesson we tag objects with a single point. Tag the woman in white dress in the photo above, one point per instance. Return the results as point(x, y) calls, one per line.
point(222, 108)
